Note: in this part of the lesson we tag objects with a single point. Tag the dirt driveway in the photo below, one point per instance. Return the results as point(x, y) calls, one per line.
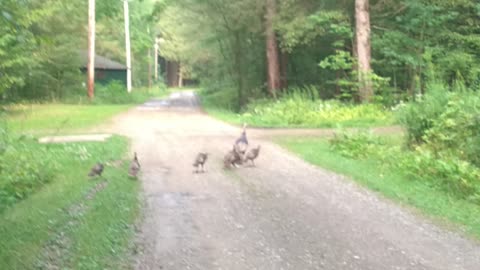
point(283, 214)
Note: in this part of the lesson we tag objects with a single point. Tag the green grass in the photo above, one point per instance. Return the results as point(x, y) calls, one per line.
point(274, 122)
point(94, 236)
point(294, 110)
point(48, 118)
point(392, 184)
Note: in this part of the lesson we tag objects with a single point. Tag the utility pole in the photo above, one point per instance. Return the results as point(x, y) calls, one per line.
point(91, 49)
point(127, 46)
point(149, 57)
point(156, 58)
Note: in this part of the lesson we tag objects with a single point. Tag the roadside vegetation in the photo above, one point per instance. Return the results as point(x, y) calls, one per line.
point(435, 167)
point(51, 214)
point(299, 108)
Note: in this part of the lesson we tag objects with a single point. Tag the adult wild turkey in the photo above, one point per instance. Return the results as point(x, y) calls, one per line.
point(241, 144)
point(232, 158)
point(96, 170)
point(200, 161)
point(252, 155)
point(134, 166)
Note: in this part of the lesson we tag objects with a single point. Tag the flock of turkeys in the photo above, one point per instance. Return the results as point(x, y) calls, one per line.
point(133, 170)
point(238, 155)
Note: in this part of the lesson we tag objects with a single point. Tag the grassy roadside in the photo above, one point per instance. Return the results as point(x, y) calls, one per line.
point(270, 121)
point(392, 184)
point(73, 222)
point(45, 118)
point(64, 220)
point(294, 110)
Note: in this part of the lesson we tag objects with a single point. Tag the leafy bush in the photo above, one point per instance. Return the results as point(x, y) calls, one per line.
point(226, 99)
point(355, 145)
point(456, 132)
point(24, 167)
point(294, 110)
point(420, 115)
point(449, 174)
point(452, 175)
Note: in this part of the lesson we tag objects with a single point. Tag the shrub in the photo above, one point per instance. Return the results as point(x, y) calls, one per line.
point(298, 111)
point(24, 167)
point(225, 99)
point(420, 115)
point(447, 173)
point(297, 107)
point(456, 132)
point(355, 145)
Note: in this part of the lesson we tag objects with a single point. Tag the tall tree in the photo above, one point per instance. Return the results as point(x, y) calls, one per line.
point(273, 66)
point(362, 27)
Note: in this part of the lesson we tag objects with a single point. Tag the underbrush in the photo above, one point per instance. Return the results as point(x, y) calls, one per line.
point(116, 93)
point(25, 167)
point(448, 174)
point(299, 108)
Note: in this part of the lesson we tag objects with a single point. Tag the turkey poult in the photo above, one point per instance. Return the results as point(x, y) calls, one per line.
point(200, 161)
point(232, 158)
point(252, 155)
point(134, 167)
point(96, 170)
point(241, 143)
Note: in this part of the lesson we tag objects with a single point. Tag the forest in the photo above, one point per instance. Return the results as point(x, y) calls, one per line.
point(227, 46)
point(391, 86)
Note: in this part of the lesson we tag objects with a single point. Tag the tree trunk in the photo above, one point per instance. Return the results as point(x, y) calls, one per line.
point(362, 25)
point(283, 70)
point(273, 73)
point(172, 74)
point(180, 75)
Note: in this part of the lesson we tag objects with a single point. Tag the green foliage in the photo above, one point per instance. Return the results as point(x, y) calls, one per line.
point(24, 168)
point(78, 223)
point(53, 118)
point(456, 132)
point(448, 174)
point(300, 107)
point(355, 145)
point(116, 93)
point(40, 41)
point(420, 115)
point(15, 42)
